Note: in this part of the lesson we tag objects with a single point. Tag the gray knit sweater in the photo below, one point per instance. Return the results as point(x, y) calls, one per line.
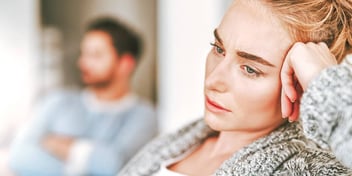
point(326, 111)
point(285, 151)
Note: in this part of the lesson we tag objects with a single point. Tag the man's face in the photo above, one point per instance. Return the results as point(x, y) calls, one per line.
point(98, 60)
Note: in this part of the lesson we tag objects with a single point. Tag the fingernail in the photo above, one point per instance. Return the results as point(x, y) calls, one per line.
point(290, 120)
point(284, 117)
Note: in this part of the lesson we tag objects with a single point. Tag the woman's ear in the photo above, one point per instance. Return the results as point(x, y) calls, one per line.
point(126, 64)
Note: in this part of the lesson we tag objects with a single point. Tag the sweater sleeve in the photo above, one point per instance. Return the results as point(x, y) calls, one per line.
point(137, 130)
point(27, 156)
point(326, 111)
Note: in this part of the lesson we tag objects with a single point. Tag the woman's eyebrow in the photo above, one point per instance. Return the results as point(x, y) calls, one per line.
point(254, 58)
point(245, 55)
point(217, 37)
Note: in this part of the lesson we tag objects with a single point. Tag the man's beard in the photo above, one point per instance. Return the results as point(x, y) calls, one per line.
point(100, 84)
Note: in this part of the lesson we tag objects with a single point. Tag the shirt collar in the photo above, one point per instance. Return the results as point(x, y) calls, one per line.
point(117, 106)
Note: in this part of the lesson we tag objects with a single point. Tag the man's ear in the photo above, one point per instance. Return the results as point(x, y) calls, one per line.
point(127, 64)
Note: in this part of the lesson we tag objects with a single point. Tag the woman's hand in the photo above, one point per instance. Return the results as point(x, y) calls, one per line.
point(302, 63)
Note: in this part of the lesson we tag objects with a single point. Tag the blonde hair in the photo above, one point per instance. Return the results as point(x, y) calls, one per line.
point(328, 21)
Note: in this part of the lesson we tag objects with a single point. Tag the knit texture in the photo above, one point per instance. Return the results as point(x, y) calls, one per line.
point(285, 151)
point(326, 111)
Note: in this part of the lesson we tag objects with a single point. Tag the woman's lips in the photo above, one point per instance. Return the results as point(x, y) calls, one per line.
point(214, 107)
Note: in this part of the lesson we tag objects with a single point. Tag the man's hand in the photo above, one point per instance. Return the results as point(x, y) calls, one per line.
point(57, 145)
point(302, 63)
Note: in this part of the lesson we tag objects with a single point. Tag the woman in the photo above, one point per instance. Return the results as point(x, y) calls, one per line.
point(244, 132)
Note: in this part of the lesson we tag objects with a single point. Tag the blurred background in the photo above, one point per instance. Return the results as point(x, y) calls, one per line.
point(40, 41)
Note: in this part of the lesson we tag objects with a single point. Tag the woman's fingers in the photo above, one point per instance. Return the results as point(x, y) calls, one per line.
point(294, 116)
point(288, 92)
point(287, 80)
point(302, 63)
point(295, 110)
point(286, 105)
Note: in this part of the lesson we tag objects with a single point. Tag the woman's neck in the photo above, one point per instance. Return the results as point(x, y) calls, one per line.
point(229, 142)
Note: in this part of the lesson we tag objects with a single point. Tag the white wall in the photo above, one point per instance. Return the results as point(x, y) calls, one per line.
point(185, 30)
point(19, 23)
point(18, 58)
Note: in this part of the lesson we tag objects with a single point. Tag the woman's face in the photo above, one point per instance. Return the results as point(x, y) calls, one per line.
point(242, 83)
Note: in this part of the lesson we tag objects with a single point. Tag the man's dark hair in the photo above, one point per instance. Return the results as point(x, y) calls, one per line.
point(124, 39)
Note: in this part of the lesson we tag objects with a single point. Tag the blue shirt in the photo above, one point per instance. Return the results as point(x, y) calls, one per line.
point(115, 132)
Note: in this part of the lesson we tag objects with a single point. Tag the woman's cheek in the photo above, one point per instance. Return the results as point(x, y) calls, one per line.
point(210, 63)
point(270, 96)
point(260, 93)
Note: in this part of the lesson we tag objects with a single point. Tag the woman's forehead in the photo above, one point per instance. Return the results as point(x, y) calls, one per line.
point(248, 27)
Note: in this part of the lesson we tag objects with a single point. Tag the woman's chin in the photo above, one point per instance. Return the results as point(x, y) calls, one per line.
point(214, 122)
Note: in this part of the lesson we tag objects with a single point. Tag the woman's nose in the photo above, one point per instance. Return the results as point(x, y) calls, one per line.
point(216, 79)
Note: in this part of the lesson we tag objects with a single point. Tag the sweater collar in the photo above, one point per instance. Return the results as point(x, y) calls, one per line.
point(266, 153)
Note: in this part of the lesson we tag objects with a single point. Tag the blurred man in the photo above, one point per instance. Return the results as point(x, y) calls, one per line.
point(93, 132)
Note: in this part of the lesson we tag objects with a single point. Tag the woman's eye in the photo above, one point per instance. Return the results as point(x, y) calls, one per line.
point(250, 72)
point(218, 49)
